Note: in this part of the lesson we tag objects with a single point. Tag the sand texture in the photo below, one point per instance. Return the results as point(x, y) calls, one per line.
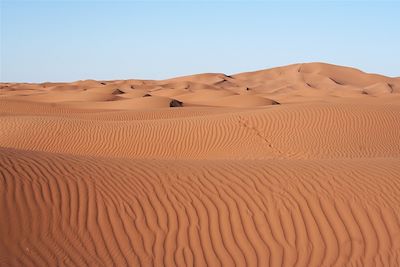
point(291, 166)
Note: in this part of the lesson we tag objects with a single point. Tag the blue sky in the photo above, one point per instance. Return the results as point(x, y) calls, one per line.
point(73, 40)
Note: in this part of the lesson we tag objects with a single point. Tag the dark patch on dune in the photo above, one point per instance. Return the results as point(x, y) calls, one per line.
point(299, 69)
point(333, 80)
point(175, 103)
point(309, 85)
point(275, 102)
point(118, 92)
point(147, 95)
point(391, 88)
point(226, 83)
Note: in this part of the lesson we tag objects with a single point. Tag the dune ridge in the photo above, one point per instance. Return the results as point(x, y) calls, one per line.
point(292, 166)
point(288, 84)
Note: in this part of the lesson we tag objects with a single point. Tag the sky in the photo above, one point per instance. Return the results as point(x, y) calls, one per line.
point(74, 40)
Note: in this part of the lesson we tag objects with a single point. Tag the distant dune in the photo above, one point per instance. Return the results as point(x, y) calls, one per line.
point(291, 166)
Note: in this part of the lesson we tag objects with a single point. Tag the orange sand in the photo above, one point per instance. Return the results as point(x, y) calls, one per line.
point(291, 166)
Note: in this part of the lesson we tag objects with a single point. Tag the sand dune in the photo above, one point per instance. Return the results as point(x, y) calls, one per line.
point(86, 211)
point(291, 131)
point(291, 166)
point(290, 84)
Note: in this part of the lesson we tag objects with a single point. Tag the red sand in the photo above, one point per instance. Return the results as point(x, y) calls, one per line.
point(297, 165)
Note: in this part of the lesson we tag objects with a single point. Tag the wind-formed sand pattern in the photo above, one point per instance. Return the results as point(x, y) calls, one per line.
point(292, 166)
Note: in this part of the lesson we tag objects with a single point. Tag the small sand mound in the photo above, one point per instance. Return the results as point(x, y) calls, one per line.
point(242, 101)
point(378, 89)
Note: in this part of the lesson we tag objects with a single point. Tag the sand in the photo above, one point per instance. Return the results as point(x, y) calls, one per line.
point(291, 166)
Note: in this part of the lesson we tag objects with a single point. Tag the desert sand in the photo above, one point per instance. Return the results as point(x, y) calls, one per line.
point(291, 166)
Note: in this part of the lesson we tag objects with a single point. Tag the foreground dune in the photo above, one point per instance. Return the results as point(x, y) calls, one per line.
point(292, 166)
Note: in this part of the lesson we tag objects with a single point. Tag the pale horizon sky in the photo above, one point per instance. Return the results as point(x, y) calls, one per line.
point(104, 40)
